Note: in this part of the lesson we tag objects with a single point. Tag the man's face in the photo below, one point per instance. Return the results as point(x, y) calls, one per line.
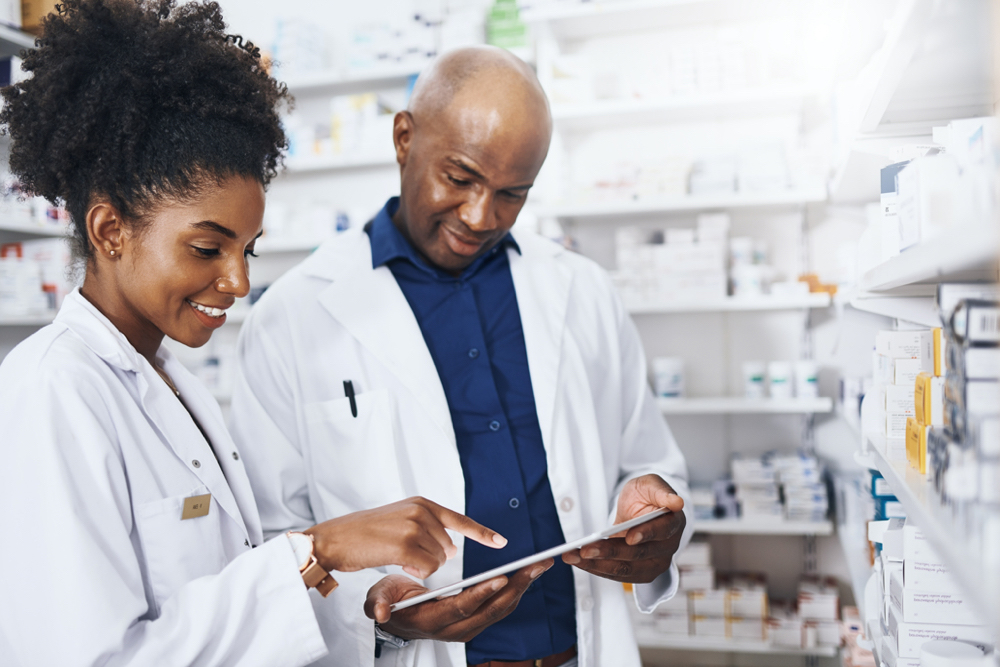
point(466, 173)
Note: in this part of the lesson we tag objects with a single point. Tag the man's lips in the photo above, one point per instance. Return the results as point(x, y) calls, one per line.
point(461, 244)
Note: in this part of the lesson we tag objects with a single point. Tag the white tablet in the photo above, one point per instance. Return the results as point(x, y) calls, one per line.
point(527, 560)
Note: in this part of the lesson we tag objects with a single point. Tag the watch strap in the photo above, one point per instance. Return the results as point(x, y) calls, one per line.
point(314, 576)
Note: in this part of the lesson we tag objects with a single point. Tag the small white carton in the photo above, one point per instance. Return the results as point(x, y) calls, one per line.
point(697, 577)
point(709, 602)
point(695, 554)
point(930, 607)
point(819, 599)
point(907, 638)
point(891, 658)
point(673, 624)
point(708, 626)
point(747, 629)
point(900, 399)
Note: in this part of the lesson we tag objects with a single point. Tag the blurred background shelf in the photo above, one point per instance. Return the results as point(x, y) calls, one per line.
point(763, 527)
point(744, 406)
point(29, 227)
point(336, 163)
point(733, 304)
point(782, 198)
point(650, 638)
point(337, 83)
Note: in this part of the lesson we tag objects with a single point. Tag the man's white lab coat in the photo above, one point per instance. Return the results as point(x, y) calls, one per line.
point(335, 318)
point(97, 567)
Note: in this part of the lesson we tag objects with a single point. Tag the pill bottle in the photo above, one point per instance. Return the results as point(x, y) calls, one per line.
point(668, 377)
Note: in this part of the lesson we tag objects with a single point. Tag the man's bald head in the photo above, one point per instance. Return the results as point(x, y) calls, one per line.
point(469, 147)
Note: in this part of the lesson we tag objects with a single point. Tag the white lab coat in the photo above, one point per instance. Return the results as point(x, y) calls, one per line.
point(97, 567)
point(335, 318)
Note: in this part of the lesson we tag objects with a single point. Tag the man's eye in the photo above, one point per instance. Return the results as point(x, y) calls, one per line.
point(457, 181)
point(206, 252)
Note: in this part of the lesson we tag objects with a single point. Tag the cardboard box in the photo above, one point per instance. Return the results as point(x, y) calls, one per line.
point(895, 424)
point(891, 658)
point(917, 548)
point(895, 449)
point(880, 487)
point(928, 399)
point(748, 603)
point(696, 578)
point(708, 626)
point(905, 371)
point(930, 577)
point(673, 624)
point(906, 638)
point(819, 599)
point(696, 554)
point(785, 631)
point(900, 399)
point(747, 629)
point(917, 344)
point(709, 603)
point(916, 444)
point(924, 607)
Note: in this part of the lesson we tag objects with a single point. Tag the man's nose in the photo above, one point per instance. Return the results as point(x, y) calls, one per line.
point(476, 211)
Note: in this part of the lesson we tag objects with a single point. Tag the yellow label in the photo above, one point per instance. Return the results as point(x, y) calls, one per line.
point(196, 506)
point(939, 343)
point(913, 442)
point(922, 398)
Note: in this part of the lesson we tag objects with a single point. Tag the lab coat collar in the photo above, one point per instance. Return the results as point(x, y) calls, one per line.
point(368, 302)
point(167, 413)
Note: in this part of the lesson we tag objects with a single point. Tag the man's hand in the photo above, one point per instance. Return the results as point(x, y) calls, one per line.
point(458, 618)
point(643, 553)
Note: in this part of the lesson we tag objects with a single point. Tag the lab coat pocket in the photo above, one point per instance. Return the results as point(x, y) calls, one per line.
point(178, 550)
point(353, 462)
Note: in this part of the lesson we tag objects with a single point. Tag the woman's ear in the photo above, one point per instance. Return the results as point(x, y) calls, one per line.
point(106, 230)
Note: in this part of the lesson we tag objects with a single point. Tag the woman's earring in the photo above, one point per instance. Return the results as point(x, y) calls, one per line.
point(112, 253)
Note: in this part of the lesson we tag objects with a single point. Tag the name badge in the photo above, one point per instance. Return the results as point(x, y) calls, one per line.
point(196, 506)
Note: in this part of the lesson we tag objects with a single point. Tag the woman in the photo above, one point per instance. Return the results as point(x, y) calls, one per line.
point(130, 532)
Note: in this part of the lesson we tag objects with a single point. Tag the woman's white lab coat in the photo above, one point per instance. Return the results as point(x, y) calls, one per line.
point(335, 318)
point(97, 567)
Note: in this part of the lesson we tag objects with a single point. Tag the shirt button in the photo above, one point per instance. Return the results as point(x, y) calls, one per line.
point(246, 543)
point(514, 503)
point(473, 353)
point(587, 604)
point(494, 425)
point(236, 457)
point(196, 463)
point(566, 504)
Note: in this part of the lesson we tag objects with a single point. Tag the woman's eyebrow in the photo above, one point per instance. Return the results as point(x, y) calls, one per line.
point(210, 226)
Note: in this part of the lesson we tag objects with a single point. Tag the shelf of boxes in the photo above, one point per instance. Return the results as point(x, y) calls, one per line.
point(301, 165)
point(336, 83)
point(30, 227)
point(733, 304)
point(13, 40)
point(964, 253)
point(269, 246)
point(924, 509)
point(26, 320)
point(650, 638)
point(775, 526)
point(739, 104)
point(611, 209)
point(744, 406)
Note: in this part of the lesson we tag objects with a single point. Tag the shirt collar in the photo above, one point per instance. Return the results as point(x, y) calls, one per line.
point(389, 244)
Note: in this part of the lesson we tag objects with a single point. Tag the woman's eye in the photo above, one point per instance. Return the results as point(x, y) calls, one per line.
point(249, 253)
point(206, 252)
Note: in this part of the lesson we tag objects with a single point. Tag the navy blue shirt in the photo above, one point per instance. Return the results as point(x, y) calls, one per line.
point(472, 326)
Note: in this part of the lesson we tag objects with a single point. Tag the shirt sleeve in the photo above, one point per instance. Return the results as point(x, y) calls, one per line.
point(72, 589)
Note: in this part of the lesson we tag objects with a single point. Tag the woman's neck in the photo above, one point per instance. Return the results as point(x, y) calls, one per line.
point(143, 336)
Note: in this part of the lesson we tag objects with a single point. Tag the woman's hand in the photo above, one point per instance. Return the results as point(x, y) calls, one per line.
point(409, 533)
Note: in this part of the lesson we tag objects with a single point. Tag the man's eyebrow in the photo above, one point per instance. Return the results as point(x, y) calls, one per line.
point(466, 168)
point(210, 226)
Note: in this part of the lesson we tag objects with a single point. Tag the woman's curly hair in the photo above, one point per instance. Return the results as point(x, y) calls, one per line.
point(136, 102)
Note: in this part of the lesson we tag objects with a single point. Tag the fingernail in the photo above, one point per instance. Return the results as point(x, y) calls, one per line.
point(499, 540)
point(497, 585)
point(638, 538)
point(571, 558)
point(537, 572)
point(589, 553)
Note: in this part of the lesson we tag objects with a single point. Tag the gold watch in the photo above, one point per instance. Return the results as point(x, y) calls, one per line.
point(313, 574)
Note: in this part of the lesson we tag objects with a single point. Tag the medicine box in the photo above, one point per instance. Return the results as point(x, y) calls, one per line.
point(708, 626)
point(673, 624)
point(891, 658)
point(930, 577)
point(906, 638)
point(697, 577)
point(916, 444)
point(889, 508)
point(785, 631)
point(695, 554)
point(827, 633)
point(895, 424)
point(818, 599)
point(916, 547)
point(893, 542)
point(880, 487)
point(709, 602)
point(748, 603)
point(928, 399)
point(906, 345)
point(747, 629)
point(900, 399)
point(678, 604)
point(924, 607)
point(905, 371)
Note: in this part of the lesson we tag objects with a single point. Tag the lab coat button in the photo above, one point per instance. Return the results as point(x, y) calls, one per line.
point(566, 504)
point(236, 457)
point(196, 463)
point(246, 543)
point(514, 503)
point(494, 425)
point(586, 604)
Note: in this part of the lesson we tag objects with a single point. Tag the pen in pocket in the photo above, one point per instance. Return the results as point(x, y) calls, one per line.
point(349, 393)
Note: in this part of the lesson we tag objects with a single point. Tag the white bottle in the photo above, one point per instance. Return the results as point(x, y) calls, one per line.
point(668, 377)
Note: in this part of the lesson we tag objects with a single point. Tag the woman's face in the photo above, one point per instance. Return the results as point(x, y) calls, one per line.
point(179, 273)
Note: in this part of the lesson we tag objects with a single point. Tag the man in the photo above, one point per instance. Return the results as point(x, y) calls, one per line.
point(497, 374)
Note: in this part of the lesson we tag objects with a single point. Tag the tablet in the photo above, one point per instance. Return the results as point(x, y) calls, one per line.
point(527, 560)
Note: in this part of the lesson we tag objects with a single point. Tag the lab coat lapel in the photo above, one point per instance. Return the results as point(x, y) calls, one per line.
point(542, 286)
point(370, 305)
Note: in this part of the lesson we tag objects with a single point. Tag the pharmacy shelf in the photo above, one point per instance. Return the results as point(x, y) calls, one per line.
point(763, 527)
point(924, 509)
point(615, 113)
point(648, 637)
point(733, 304)
point(336, 83)
point(13, 40)
point(919, 305)
point(26, 320)
point(580, 20)
point(266, 246)
point(30, 227)
point(965, 252)
point(652, 206)
point(744, 406)
point(337, 163)
point(852, 541)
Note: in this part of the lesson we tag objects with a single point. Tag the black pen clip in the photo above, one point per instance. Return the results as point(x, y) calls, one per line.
point(349, 393)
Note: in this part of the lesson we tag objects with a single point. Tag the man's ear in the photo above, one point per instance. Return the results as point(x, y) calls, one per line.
point(402, 136)
point(106, 230)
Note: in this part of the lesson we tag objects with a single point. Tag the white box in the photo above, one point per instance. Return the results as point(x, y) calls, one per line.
point(900, 399)
point(678, 604)
point(785, 631)
point(673, 624)
point(695, 554)
point(747, 629)
point(917, 548)
point(905, 371)
point(924, 607)
point(819, 599)
point(906, 638)
point(827, 632)
point(895, 425)
point(748, 603)
point(680, 236)
point(928, 577)
point(697, 577)
point(708, 626)
point(918, 344)
point(891, 658)
point(709, 602)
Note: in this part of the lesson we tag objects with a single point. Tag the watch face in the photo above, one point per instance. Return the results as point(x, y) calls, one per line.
point(302, 547)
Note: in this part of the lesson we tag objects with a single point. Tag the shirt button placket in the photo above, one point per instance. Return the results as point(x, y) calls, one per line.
point(494, 425)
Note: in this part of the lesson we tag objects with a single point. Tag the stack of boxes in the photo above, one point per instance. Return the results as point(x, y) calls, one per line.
point(33, 276)
point(775, 487)
point(919, 598)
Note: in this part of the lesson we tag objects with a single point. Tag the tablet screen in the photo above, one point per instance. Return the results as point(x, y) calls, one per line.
point(527, 560)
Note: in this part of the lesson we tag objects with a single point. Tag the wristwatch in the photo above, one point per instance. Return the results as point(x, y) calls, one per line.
point(313, 574)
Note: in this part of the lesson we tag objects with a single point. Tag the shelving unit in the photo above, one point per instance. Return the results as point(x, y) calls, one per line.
point(763, 527)
point(778, 198)
point(30, 227)
point(338, 83)
point(733, 304)
point(12, 41)
point(337, 163)
point(648, 637)
point(744, 406)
